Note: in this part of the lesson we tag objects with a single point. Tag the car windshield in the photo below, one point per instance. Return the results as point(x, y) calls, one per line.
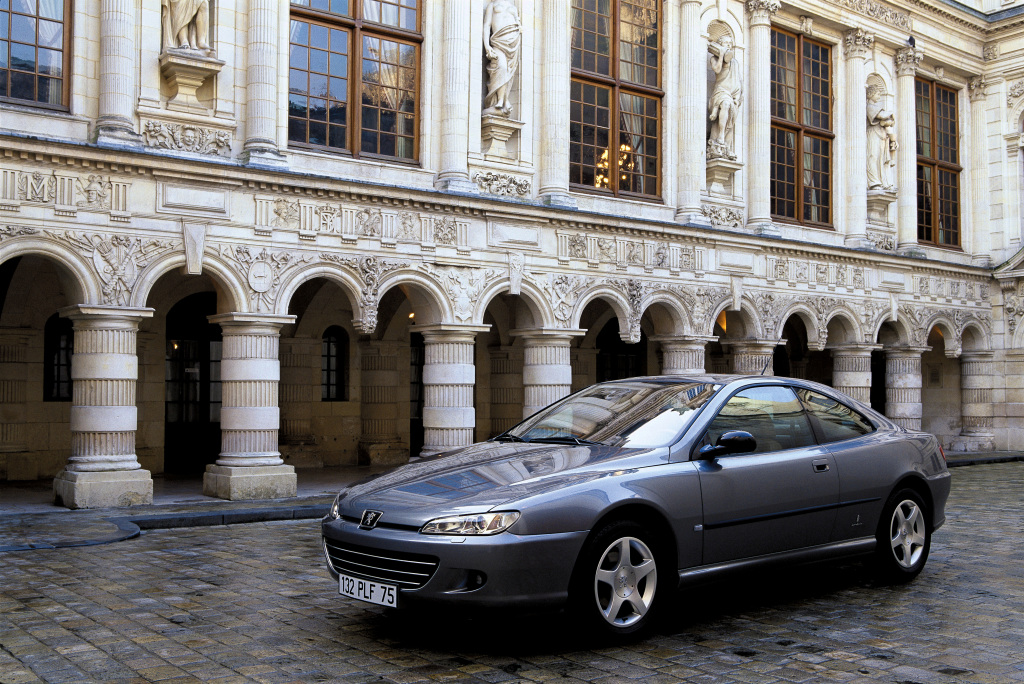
point(634, 414)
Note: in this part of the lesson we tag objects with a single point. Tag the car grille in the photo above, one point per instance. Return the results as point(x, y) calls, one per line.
point(407, 570)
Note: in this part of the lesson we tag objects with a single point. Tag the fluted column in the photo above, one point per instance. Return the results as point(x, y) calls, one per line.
point(117, 73)
point(976, 407)
point(250, 465)
point(682, 355)
point(506, 388)
point(261, 92)
point(979, 242)
point(297, 389)
point(907, 61)
point(753, 357)
point(378, 441)
point(851, 370)
point(13, 359)
point(103, 469)
point(555, 84)
point(693, 116)
point(449, 375)
point(856, 45)
point(759, 153)
point(903, 386)
point(455, 52)
point(547, 372)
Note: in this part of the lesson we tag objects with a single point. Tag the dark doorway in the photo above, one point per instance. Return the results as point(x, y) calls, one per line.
point(416, 356)
point(192, 396)
point(617, 359)
point(878, 381)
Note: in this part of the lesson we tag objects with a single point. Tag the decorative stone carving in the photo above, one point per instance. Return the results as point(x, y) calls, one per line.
point(185, 24)
point(821, 274)
point(186, 138)
point(516, 264)
point(770, 308)
point(262, 272)
point(368, 222)
point(118, 259)
point(858, 277)
point(687, 258)
point(502, 184)
point(885, 242)
point(991, 52)
point(824, 307)
point(445, 231)
point(16, 231)
point(329, 218)
point(878, 12)
point(578, 246)
point(371, 270)
point(908, 60)
point(37, 187)
point(563, 292)
point(636, 291)
point(1014, 92)
point(857, 42)
point(95, 192)
point(286, 214)
point(463, 286)
point(763, 9)
point(606, 250)
point(881, 139)
point(1013, 305)
point(708, 301)
point(915, 317)
point(726, 97)
point(661, 255)
point(502, 37)
point(407, 228)
point(722, 216)
point(976, 86)
point(635, 253)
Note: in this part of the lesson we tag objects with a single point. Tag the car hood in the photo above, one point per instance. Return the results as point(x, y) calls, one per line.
point(483, 476)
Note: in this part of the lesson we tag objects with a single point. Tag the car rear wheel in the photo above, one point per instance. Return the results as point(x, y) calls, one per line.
point(904, 537)
point(616, 587)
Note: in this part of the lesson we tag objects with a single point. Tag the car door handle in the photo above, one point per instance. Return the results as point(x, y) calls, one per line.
point(820, 466)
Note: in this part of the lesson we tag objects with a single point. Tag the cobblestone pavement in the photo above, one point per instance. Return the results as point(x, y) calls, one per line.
point(252, 602)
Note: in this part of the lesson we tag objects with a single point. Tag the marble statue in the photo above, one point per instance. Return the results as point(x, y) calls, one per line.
point(881, 142)
point(186, 24)
point(502, 36)
point(726, 96)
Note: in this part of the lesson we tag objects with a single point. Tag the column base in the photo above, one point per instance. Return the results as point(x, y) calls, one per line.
point(265, 158)
point(383, 453)
point(858, 241)
point(692, 218)
point(559, 200)
point(457, 184)
point(971, 443)
point(117, 136)
point(104, 489)
point(253, 482)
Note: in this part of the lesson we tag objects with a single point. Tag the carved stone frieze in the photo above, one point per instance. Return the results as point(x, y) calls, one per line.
point(722, 216)
point(186, 138)
point(606, 250)
point(286, 214)
point(95, 192)
point(117, 259)
point(882, 241)
point(770, 307)
point(463, 286)
point(635, 253)
point(369, 222)
point(329, 218)
point(661, 255)
point(16, 231)
point(502, 184)
point(408, 226)
point(824, 308)
point(635, 291)
point(262, 271)
point(877, 11)
point(516, 268)
point(370, 270)
point(563, 292)
point(37, 187)
point(446, 231)
point(578, 246)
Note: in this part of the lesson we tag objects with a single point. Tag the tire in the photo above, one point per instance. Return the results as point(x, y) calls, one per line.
point(904, 537)
point(616, 588)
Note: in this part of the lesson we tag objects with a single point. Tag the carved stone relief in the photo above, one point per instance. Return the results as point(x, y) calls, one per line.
point(770, 307)
point(186, 138)
point(408, 227)
point(722, 216)
point(463, 286)
point(878, 12)
point(329, 218)
point(502, 184)
point(37, 187)
point(725, 99)
point(95, 192)
point(563, 292)
point(117, 259)
point(371, 270)
point(369, 222)
point(502, 36)
point(578, 246)
point(516, 266)
point(661, 255)
point(286, 214)
point(882, 241)
point(606, 250)
point(635, 291)
point(262, 272)
point(16, 231)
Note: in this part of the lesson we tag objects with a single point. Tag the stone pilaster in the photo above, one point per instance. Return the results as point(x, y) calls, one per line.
point(856, 46)
point(506, 388)
point(547, 372)
point(693, 51)
point(449, 376)
point(907, 61)
point(378, 440)
point(752, 357)
point(980, 237)
point(555, 82)
point(455, 51)
point(851, 370)
point(299, 356)
point(13, 357)
point(118, 73)
point(261, 92)
point(103, 470)
point(250, 465)
point(903, 386)
point(759, 13)
point(682, 355)
point(976, 401)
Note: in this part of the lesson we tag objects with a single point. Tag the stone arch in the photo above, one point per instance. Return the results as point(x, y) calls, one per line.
point(535, 303)
point(345, 278)
point(746, 318)
point(232, 293)
point(806, 315)
point(974, 337)
point(667, 313)
point(842, 326)
point(947, 329)
point(426, 296)
point(82, 284)
point(615, 299)
point(715, 24)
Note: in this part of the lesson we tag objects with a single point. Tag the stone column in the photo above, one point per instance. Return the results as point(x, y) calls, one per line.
point(907, 61)
point(856, 45)
point(759, 118)
point(753, 357)
point(299, 356)
point(547, 372)
point(980, 240)
point(250, 465)
point(903, 386)
point(378, 441)
point(449, 376)
point(693, 114)
point(118, 73)
point(455, 55)
point(851, 370)
point(13, 365)
point(555, 84)
point(976, 407)
point(682, 355)
point(103, 470)
point(506, 388)
point(584, 368)
point(261, 94)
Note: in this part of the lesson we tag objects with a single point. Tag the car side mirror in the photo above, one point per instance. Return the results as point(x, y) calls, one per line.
point(732, 442)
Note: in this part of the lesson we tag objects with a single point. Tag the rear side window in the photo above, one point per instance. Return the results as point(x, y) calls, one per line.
point(773, 415)
point(837, 420)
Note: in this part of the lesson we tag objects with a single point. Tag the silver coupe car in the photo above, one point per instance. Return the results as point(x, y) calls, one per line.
point(609, 500)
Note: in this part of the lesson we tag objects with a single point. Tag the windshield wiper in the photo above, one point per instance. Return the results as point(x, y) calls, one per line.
point(509, 438)
point(567, 439)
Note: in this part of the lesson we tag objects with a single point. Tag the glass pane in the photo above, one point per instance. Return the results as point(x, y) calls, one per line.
point(773, 415)
point(837, 421)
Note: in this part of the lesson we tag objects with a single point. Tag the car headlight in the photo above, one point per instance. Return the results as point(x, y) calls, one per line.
point(334, 513)
point(476, 523)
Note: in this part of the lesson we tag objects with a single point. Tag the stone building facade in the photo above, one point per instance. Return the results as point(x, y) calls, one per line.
point(240, 237)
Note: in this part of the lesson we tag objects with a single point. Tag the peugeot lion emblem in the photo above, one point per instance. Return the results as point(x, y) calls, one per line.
point(369, 519)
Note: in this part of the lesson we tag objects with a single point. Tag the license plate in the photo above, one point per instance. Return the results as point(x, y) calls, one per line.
point(371, 592)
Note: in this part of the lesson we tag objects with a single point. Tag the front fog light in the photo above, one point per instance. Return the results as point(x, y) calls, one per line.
point(476, 523)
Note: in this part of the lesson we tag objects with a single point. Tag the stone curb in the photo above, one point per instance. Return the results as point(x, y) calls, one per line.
point(982, 460)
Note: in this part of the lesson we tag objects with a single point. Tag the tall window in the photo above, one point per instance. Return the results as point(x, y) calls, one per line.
point(33, 51)
point(58, 345)
point(334, 365)
point(801, 134)
point(615, 120)
point(354, 78)
point(938, 169)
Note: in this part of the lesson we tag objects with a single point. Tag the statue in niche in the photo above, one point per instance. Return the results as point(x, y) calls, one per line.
point(881, 140)
point(726, 97)
point(502, 34)
point(186, 24)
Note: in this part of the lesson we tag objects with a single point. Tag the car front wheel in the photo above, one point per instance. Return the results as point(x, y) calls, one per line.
point(904, 537)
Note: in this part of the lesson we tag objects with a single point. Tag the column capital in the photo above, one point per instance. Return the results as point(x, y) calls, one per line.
point(977, 355)
point(908, 60)
point(853, 349)
point(543, 334)
point(976, 88)
point(905, 352)
point(857, 43)
point(448, 330)
point(682, 341)
point(252, 321)
point(762, 11)
point(753, 345)
point(78, 312)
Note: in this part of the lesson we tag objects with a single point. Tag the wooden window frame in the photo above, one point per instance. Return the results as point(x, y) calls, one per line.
point(936, 165)
point(616, 85)
point(54, 332)
point(342, 355)
point(65, 105)
point(801, 130)
point(356, 27)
